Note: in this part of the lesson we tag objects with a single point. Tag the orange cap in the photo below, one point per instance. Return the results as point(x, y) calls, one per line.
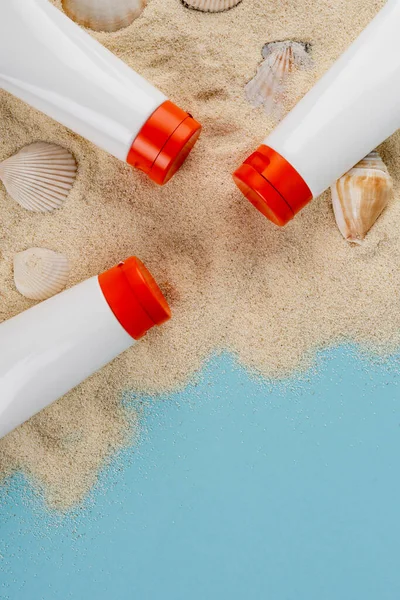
point(134, 297)
point(164, 142)
point(271, 183)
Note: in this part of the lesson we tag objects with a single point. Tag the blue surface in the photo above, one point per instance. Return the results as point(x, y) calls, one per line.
point(239, 489)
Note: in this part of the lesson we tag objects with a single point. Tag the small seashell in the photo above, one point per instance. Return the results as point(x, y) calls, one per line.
point(40, 176)
point(360, 196)
point(211, 5)
point(104, 15)
point(40, 273)
point(280, 59)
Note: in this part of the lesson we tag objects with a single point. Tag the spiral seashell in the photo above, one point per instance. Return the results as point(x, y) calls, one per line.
point(40, 273)
point(40, 176)
point(372, 161)
point(104, 15)
point(268, 85)
point(360, 196)
point(211, 5)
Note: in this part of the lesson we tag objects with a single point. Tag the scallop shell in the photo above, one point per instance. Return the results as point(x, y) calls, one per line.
point(360, 196)
point(210, 5)
point(268, 85)
point(40, 273)
point(40, 176)
point(104, 15)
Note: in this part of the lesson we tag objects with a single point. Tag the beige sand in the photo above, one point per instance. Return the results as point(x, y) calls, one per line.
point(235, 281)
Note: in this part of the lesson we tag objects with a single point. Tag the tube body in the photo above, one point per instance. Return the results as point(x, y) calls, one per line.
point(51, 63)
point(350, 111)
point(52, 347)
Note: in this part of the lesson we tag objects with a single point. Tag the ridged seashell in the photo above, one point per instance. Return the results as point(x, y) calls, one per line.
point(360, 196)
point(40, 273)
point(104, 15)
point(210, 5)
point(280, 59)
point(40, 176)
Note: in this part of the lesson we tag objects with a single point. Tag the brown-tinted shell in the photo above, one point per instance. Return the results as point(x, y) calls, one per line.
point(280, 59)
point(211, 5)
point(360, 196)
point(104, 15)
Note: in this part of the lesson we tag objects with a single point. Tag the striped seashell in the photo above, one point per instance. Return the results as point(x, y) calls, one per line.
point(210, 5)
point(268, 85)
point(372, 161)
point(40, 176)
point(40, 273)
point(104, 15)
point(360, 196)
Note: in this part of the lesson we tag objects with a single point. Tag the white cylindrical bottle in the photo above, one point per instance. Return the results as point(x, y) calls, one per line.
point(48, 61)
point(51, 348)
point(350, 111)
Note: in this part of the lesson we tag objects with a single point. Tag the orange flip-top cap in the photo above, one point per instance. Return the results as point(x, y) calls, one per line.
point(134, 297)
point(164, 142)
point(272, 185)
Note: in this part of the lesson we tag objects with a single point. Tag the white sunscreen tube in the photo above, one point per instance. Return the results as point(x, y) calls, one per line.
point(48, 61)
point(52, 347)
point(350, 111)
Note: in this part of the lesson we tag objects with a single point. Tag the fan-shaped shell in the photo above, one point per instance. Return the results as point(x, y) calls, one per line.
point(360, 196)
point(40, 273)
point(40, 176)
point(104, 15)
point(210, 5)
point(268, 85)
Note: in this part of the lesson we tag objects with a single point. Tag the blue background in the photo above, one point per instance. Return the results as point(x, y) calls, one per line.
point(239, 489)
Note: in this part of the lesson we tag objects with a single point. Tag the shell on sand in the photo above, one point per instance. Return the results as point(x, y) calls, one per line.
point(40, 273)
point(40, 176)
point(104, 15)
point(360, 196)
point(211, 5)
point(280, 59)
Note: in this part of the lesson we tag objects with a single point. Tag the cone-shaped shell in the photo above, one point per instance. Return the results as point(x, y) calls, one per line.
point(372, 161)
point(103, 15)
point(210, 5)
point(360, 196)
point(40, 176)
point(280, 59)
point(40, 273)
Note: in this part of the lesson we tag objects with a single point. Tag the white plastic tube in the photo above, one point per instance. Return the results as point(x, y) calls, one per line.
point(350, 111)
point(51, 348)
point(48, 61)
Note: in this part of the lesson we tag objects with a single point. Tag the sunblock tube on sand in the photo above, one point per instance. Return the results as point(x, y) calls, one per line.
point(350, 111)
point(50, 348)
point(48, 61)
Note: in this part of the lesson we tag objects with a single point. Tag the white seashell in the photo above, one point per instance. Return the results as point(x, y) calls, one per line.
point(40, 273)
point(268, 85)
point(360, 196)
point(211, 5)
point(40, 176)
point(104, 15)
